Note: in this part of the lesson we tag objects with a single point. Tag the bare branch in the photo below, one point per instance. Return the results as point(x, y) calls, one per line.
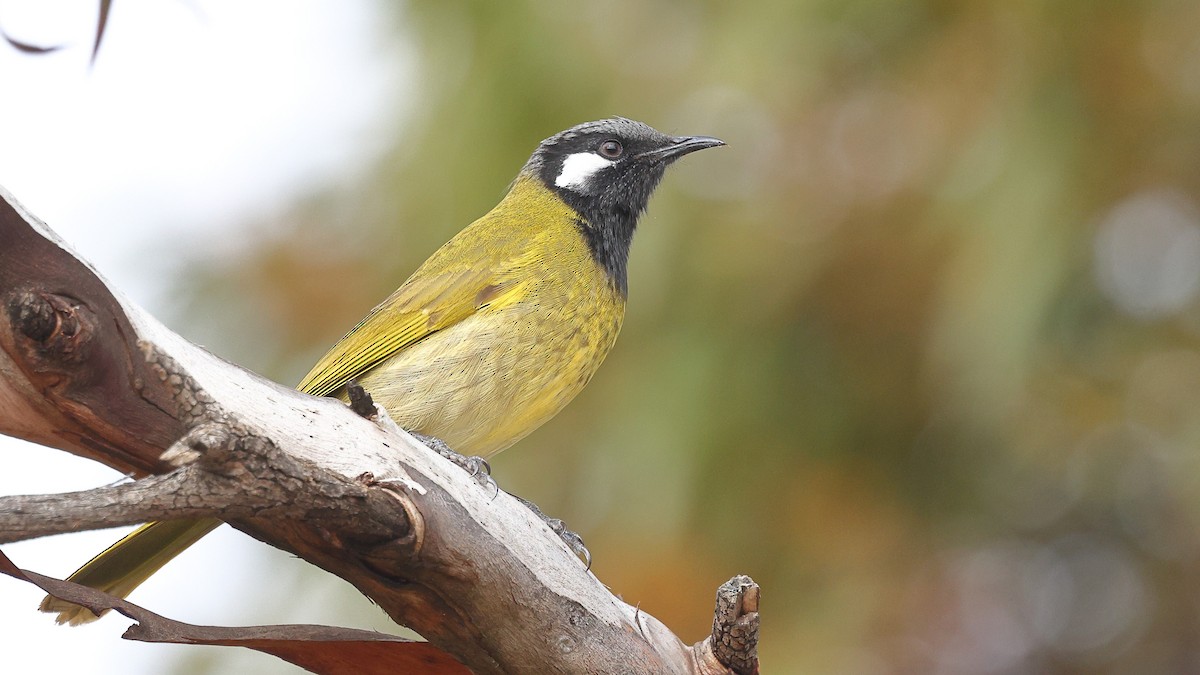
point(226, 476)
point(321, 649)
point(474, 572)
point(30, 516)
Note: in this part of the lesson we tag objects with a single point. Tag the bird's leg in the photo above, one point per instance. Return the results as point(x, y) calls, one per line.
point(572, 540)
point(482, 472)
point(478, 467)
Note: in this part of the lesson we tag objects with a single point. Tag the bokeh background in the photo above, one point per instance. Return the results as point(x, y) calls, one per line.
point(917, 351)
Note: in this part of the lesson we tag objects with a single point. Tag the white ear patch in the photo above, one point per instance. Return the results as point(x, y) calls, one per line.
point(578, 168)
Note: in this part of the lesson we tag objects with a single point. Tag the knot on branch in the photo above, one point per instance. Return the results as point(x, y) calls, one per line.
point(58, 325)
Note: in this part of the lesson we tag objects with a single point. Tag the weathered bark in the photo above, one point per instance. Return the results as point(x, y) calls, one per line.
point(472, 571)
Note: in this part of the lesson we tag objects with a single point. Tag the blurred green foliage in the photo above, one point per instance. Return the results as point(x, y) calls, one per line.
point(917, 351)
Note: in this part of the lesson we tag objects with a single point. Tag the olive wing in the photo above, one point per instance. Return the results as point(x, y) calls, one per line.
point(421, 307)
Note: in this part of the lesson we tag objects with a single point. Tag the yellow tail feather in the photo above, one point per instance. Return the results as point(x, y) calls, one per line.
point(122, 567)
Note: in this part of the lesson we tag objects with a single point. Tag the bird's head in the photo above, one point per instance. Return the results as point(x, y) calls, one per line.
point(611, 164)
point(607, 170)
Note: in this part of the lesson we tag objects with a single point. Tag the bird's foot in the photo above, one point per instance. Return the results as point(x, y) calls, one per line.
point(478, 467)
point(572, 540)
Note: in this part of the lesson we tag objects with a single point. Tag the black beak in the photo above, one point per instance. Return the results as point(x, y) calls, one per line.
point(680, 146)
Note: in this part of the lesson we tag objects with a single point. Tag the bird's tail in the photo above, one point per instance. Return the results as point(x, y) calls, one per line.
point(122, 567)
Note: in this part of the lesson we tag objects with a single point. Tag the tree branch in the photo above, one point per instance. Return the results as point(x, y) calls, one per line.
point(30, 516)
point(475, 573)
point(225, 475)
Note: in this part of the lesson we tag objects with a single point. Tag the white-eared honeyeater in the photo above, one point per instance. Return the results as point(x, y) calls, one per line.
point(498, 330)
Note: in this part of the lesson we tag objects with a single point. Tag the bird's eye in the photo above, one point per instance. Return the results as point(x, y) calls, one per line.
point(611, 149)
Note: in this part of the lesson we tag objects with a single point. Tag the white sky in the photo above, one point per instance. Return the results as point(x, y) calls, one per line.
point(198, 115)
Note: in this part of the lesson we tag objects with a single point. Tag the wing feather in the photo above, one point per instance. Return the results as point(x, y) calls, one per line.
point(429, 302)
point(420, 308)
point(482, 265)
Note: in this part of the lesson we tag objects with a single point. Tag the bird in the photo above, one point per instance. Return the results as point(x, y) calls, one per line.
point(494, 333)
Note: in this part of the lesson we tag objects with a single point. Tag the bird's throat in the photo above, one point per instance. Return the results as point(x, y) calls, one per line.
point(609, 235)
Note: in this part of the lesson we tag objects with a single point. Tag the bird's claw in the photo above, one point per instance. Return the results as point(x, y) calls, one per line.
point(573, 541)
point(477, 467)
point(481, 471)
